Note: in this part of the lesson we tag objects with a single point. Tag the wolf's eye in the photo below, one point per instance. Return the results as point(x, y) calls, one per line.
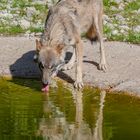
point(35, 58)
point(41, 66)
point(50, 67)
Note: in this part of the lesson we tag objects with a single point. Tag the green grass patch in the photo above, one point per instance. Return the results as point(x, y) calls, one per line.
point(20, 3)
point(128, 37)
point(133, 37)
point(107, 31)
point(109, 3)
point(135, 5)
point(35, 30)
point(13, 30)
point(40, 7)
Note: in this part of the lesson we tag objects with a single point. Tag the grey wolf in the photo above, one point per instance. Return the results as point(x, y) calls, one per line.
point(65, 23)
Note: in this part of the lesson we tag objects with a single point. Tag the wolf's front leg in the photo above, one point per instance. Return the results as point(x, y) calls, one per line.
point(79, 58)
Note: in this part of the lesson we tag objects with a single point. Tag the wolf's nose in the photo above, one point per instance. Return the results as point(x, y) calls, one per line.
point(45, 82)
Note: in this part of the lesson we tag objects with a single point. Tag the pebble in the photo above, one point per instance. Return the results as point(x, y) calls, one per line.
point(24, 24)
point(115, 32)
point(30, 11)
point(136, 29)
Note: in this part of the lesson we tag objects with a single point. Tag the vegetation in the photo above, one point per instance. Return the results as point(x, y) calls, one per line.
point(121, 20)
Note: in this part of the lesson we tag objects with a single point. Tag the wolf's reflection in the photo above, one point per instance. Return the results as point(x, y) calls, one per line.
point(55, 125)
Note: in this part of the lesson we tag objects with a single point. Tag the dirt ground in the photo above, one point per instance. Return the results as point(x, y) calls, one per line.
point(123, 60)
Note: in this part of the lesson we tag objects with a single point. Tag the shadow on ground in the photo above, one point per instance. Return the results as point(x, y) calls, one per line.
point(25, 67)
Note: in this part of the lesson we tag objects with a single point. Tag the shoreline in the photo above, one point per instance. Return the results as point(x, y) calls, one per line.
point(71, 87)
point(16, 60)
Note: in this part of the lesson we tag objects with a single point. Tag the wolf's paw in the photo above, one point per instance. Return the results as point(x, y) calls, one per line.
point(67, 66)
point(78, 84)
point(103, 67)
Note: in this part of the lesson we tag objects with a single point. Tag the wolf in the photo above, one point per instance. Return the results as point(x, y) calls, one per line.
point(65, 23)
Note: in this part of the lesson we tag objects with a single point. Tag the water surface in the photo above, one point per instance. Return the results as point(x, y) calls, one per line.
point(26, 113)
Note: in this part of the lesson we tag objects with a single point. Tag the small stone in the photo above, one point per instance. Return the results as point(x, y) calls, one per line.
point(121, 6)
point(119, 17)
point(124, 27)
point(138, 12)
point(110, 25)
point(38, 34)
point(122, 31)
point(24, 24)
point(30, 11)
point(15, 23)
point(115, 32)
point(113, 8)
point(32, 34)
point(137, 29)
point(105, 22)
point(106, 18)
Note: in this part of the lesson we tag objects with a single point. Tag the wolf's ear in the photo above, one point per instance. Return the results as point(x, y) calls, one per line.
point(38, 45)
point(59, 48)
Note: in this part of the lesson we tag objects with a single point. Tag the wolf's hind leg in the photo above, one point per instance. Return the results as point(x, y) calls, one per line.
point(99, 30)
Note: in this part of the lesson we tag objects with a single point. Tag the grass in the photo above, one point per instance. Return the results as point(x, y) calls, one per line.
point(15, 30)
point(36, 30)
point(131, 20)
point(135, 5)
point(12, 30)
point(19, 9)
point(129, 13)
point(20, 3)
point(131, 37)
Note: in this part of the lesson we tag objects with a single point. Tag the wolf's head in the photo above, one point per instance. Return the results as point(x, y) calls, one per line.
point(49, 60)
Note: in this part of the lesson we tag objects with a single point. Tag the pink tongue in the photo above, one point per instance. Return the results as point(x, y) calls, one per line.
point(45, 88)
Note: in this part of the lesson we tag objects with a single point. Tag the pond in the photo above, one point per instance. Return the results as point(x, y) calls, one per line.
point(28, 114)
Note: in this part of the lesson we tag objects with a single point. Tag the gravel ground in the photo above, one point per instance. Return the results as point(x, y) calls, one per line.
point(16, 59)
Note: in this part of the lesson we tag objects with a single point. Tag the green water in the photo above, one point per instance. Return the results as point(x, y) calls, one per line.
point(28, 114)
